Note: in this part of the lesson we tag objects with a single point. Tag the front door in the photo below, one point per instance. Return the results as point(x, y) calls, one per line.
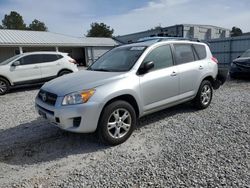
point(28, 70)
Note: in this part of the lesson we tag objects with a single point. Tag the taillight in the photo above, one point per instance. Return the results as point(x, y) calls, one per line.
point(215, 60)
point(72, 61)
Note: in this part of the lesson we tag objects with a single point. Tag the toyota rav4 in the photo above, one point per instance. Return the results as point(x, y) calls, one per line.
point(129, 82)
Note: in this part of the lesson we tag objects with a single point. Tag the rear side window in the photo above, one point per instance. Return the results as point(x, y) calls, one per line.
point(184, 53)
point(161, 56)
point(200, 50)
point(51, 57)
point(31, 59)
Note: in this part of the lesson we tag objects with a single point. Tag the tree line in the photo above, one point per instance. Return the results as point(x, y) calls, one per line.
point(15, 21)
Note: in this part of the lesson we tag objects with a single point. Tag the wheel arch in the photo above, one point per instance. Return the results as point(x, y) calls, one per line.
point(211, 80)
point(5, 78)
point(65, 69)
point(127, 98)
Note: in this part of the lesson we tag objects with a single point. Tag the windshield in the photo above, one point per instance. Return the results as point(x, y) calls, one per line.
point(7, 61)
point(119, 59)
point(246, 53)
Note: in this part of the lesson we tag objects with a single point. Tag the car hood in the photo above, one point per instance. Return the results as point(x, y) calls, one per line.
point(242, 62)
point(79, 81)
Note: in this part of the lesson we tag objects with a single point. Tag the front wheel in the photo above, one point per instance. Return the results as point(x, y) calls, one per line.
point(117, 123)
point(204, 95)
point(4, 86)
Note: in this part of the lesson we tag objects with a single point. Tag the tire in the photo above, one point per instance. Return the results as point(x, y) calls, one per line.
point(112, 128)
point(204, 95)
point(64, 72)
point(233, 76)
point(4, 86)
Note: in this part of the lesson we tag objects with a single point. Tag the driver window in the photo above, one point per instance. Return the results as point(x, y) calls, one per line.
point(161, 56)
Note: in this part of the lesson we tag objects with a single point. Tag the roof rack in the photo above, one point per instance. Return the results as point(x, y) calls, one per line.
point(159, 39)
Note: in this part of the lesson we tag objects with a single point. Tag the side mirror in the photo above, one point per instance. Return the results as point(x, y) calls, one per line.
point(145, 67)
point(16, 63)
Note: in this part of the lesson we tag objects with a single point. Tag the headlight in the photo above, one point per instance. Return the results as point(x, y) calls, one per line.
point(78, 97)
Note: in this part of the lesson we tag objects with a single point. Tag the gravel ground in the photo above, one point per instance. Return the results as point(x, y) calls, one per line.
point(177, 147)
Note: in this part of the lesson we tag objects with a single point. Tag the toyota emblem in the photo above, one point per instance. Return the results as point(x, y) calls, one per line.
point(44, 97)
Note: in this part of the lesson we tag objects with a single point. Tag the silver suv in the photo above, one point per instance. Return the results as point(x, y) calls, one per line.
point(129, 82)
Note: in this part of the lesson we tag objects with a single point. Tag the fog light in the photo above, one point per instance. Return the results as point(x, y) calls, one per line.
point(77, 121)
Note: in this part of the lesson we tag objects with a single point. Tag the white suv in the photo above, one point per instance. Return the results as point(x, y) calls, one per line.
point(34, 67)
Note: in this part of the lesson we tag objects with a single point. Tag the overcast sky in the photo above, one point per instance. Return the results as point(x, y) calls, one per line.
point(73, 17)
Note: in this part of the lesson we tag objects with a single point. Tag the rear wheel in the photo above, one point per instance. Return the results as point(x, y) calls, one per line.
point(64, 72)
point(4, 86)
point(204, 95)
point(117, 123)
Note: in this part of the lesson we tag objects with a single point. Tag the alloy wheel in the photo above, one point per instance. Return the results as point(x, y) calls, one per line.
point(3, 87)
point(119, 123)
point(206, 94)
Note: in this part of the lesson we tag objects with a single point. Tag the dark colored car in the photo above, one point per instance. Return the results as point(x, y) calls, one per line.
point(240, 67)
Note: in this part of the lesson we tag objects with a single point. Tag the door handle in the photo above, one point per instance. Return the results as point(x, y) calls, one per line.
point(174, 74)
point(200, 67)
point(35, 67)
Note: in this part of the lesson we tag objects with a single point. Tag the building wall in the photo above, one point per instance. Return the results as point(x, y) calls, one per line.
point(135, 36)
point(200, 32)
point(83, 55)
point(35, 49)
point(205, 32)
point(93, 53)
point(7, 52)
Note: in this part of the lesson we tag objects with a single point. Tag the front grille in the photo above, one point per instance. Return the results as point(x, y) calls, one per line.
point(48, 98)
point(45, 110)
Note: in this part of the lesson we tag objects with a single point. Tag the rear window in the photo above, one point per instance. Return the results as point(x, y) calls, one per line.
point(51, 57)
point(246, 54)
point(183, 53)
point(200, 50)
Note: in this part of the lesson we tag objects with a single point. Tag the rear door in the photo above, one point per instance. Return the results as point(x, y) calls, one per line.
point(51, 65)
point(190, 69)
point(28, 70)
point(160, 86)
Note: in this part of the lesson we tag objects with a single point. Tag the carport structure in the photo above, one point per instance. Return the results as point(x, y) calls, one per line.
point(84, 50)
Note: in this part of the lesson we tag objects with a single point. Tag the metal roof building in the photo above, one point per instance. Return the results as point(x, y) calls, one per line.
point(84, 49)
point(193, 31)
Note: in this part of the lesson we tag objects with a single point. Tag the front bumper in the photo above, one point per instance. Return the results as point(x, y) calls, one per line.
point(81, 118)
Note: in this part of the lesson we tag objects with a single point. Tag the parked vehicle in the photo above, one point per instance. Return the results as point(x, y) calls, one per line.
point(127, 83)
point(240, 67)
point(34, 67)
